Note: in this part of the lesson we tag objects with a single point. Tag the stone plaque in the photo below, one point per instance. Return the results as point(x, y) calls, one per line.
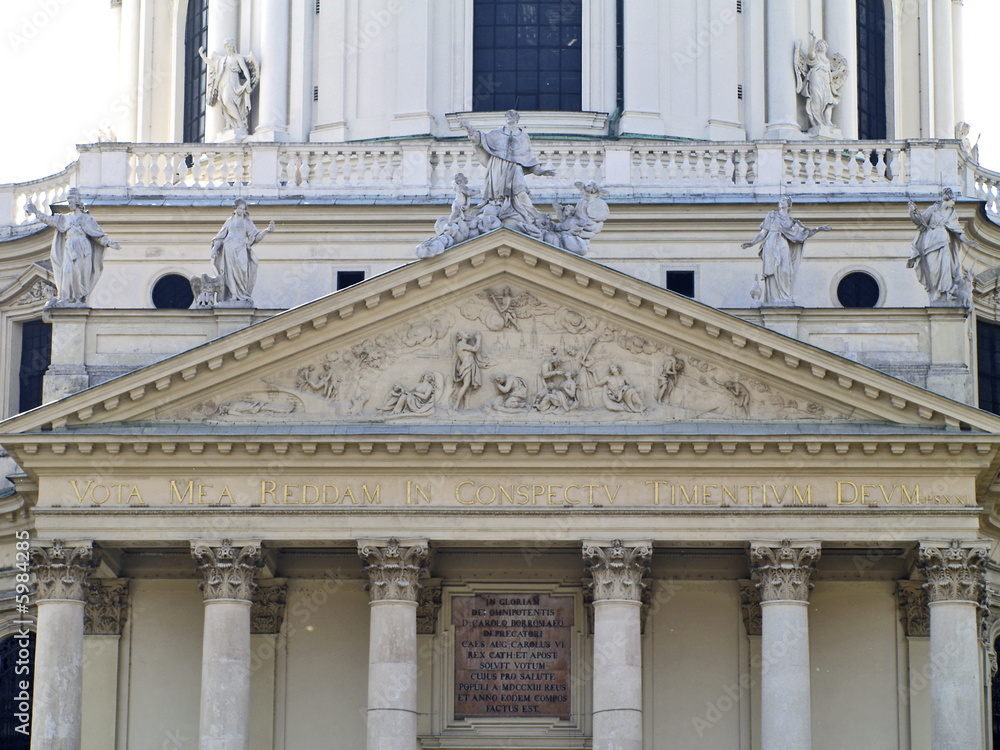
point(512, 655)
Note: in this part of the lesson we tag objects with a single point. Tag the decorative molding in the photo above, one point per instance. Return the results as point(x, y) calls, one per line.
point(916, 617)
point(646, 606)
point(228, 569)
point(616, 570)
point(750, 607)
point(782, 571)
point(428, 605)
point(62, 571)
point(267, 608)
point(40, 291)
point(395, 568)
point(955, 572)
point(106, 607)
point(990, 625)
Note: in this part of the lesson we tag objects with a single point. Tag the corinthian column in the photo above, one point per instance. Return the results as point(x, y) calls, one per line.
point(782, 106)
point(61, 572)
point(782, 572)
point(955, 575)
point(616, 571)
point(394, 570)
point(228, 571)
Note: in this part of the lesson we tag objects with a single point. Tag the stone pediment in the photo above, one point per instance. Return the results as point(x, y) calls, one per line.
point(34, 286)
point(504, 330)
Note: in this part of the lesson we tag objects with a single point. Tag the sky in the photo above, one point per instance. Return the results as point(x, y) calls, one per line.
point(59, 59)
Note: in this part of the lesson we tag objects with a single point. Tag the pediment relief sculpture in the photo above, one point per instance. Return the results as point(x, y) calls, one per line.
point(505, 354)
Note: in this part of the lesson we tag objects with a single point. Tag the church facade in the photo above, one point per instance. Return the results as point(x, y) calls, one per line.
point(477, 375)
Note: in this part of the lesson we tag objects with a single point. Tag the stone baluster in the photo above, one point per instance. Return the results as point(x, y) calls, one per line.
point(616, 571)
point(61, 573)
point(955, 579)
point(782, 572)
point(228, 569)
point(394, 569)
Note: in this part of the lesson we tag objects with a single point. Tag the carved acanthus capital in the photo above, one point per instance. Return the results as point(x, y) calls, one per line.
point(916, 617)
point(395, 568)
point(617, 569)
point(62, 570)
point(267, 609)
point(955, 571)
point(750, 607)
point(107, 606)
point(783, 571)
point(428, 605)
point(228, 569)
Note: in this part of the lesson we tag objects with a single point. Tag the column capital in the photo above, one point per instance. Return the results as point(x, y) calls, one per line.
point(617, 568)
point(61, 569)
point(955, 570)
point(783, 570)
point(916, 617)
point(395, 567)
point(228, 568)
point(106, 607)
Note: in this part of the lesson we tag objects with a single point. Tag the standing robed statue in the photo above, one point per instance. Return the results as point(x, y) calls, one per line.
point(232, 78)
point(233, 256)
point(935, 250)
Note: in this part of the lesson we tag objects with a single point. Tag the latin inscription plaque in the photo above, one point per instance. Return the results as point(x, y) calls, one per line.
point(512, 655)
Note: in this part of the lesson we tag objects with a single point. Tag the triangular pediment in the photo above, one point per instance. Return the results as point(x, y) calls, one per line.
point(504, 330)
point(35, 286)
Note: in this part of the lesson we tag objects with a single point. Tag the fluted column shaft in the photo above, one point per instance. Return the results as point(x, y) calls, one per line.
point(840, 29)
point(274, 50)
point(228, 571)
point(394, 570)
point(783, 572)
point(782, 106)
point(958, 65)
point(955, 579)
point(944, 71)
point(616, 570)
point(61, 572)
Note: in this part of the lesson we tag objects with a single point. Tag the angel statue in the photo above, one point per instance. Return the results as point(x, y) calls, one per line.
point(935, 250)
point(819, 77)
point(77, 250)
point(232, 77)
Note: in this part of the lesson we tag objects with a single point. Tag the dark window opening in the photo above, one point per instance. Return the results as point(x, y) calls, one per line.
point(527, 55)
point(36, 355)
point(858, 289)
point(173, 292)
point(349, 278)
point(681, 282)
point(871, 79)
point(17, 657)
point(988, 365)
point(620, 55)
point(195, 72)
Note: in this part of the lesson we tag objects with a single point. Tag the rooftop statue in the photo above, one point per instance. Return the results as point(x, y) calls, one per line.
point(819, 77)
point(781, 240)
point(233, 256)
point(232, 77)
point(507, 155)
point(77, 250)
point(934, 252)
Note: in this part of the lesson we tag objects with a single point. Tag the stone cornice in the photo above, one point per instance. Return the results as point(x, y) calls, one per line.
point(107, 606)
point(228, 568)
point(61, 570)
point(395, 567)
point(955, 569)
point(914, 614)
point(783, 570)
point(617, 568)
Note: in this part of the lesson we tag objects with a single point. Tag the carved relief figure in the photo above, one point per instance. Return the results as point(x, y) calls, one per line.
point(420, 401)
point(207, 290)
point(232, 77)
point(819, 77)
point(783, 238)
point(666, 381)
point(322, 380)
point(559, 386)
point(576, 225)
point(468, 361)
point(741, 396)
point(513, 392)
point(77, 250)
point(618, 393)
point(250, 407)
point(233, 256)
point(505, 306)
point(934, 252)
point(463, 198)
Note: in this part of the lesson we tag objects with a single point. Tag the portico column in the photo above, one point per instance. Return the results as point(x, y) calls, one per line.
point(272, 124)
point(782, 572)
point(394, 569)
point(958, 66)
point(840, 29)
point(61, 572)
point(955, 576)
point(782, 112)
point(223, 24)
point(944, 76)
point(616, 571)
point(228, 570)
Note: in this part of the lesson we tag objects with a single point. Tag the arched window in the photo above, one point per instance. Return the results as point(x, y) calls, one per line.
point(872, 83)
point(195, 74)
point(527, 55)
point(17, 657)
